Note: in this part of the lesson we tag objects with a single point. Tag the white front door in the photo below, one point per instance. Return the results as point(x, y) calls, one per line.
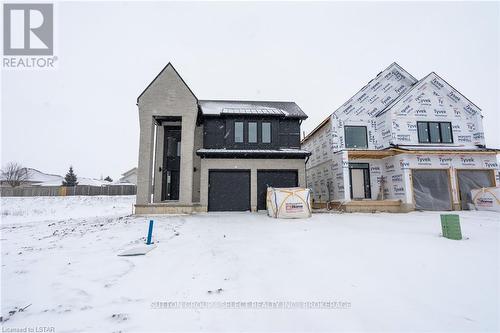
point(358, 183)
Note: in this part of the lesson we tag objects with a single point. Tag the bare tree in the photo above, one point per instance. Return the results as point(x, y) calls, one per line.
point(14, 174)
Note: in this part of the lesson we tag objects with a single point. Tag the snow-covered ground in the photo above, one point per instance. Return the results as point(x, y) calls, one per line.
point(392, 271)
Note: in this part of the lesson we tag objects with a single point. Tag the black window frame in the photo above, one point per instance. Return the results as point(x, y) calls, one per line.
point(356, 126)
point(262, 132)
point(256, 131)
point(366, 175)
point(258, 144)
point(242, 134)
point(429, 141)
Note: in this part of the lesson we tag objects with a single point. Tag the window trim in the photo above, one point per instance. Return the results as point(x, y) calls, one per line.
point(256, 131)
point(356, 126)
point(429, 141)
point(242, 129)
point(262, 132)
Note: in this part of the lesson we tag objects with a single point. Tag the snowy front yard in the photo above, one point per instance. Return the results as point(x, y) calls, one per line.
point(392, 271)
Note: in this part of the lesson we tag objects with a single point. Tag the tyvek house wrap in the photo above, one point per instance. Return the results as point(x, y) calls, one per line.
point(433, 99)
point(362, 108)
point(406, 165)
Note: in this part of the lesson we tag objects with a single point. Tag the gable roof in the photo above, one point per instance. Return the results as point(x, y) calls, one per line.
point(158, 75)
point(130, 172)
point(317, 128)
point(378, 93)
point(417, 85)
point(268, 108)
point(372, 82)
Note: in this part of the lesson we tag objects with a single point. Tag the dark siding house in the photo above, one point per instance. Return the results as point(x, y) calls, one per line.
point(213, 155)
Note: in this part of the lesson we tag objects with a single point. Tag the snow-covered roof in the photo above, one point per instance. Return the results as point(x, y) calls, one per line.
point(441, 147)
point(129, 172)
point(80, 180)
point(36, 176)
point(282, 109)
point(39, 178)
point(253, 152)
point(288, 150)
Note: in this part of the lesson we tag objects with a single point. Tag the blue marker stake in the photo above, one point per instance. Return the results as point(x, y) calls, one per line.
point(150, 232)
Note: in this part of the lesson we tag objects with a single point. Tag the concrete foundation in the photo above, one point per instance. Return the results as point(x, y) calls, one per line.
point(168, 208)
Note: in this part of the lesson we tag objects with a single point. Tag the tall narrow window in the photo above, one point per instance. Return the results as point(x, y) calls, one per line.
point(266, 132)
point(238, 131)
point(446, 136)
point(252, 132)
point(355, 137)
point(423, 133)
point(434, 132)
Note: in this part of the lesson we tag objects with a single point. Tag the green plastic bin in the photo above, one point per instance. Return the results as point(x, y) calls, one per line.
point(450, 224)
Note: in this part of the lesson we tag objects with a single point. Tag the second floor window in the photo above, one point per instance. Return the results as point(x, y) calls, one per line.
point(434, 132)
point(266, 132)
point(238, 131)
point(355, 137)
point(252, 132)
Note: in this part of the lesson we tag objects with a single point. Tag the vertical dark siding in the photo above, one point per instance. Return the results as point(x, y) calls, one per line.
point(218, 133)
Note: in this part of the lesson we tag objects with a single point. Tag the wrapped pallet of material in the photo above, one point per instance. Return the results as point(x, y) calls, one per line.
point(487, 198)
point(289, 203)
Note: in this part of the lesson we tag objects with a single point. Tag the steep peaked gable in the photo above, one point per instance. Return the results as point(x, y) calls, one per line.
point(377, 94)
point(433, 95)
point(433, 99)
point(167, 68)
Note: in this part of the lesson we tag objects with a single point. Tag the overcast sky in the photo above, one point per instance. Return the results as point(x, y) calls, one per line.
point(316, 54)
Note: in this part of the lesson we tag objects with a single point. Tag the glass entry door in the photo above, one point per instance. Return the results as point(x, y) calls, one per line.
point(171, 163)
point(359, 176)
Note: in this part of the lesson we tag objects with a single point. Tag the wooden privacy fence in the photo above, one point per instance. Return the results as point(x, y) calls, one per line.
point(36, 191)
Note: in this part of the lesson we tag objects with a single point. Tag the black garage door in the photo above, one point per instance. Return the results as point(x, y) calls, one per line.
point(273, 178)
point(228, 190)
point(431, 189)
point(472, 179)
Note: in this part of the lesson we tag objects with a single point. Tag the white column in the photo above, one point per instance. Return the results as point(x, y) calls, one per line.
point(347, 182)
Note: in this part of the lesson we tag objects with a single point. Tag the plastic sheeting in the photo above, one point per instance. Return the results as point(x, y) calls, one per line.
point(469, 180)
point(431, 189)
point(289, 203)
point(487, 198)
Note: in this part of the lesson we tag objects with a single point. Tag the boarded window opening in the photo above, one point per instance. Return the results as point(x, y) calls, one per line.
point(472, 179)
point(431, 189)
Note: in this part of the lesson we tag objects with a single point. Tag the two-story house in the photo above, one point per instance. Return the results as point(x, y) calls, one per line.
point(401, 144)
point(213, 155)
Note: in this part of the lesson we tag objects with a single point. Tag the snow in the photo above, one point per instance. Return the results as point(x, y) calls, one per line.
point(35, 209)
point(264, 151)
point(394, 270)
point(39, 178)
point(81, 181)
point(441, 147)
point(246, 110)
point(218, 107)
